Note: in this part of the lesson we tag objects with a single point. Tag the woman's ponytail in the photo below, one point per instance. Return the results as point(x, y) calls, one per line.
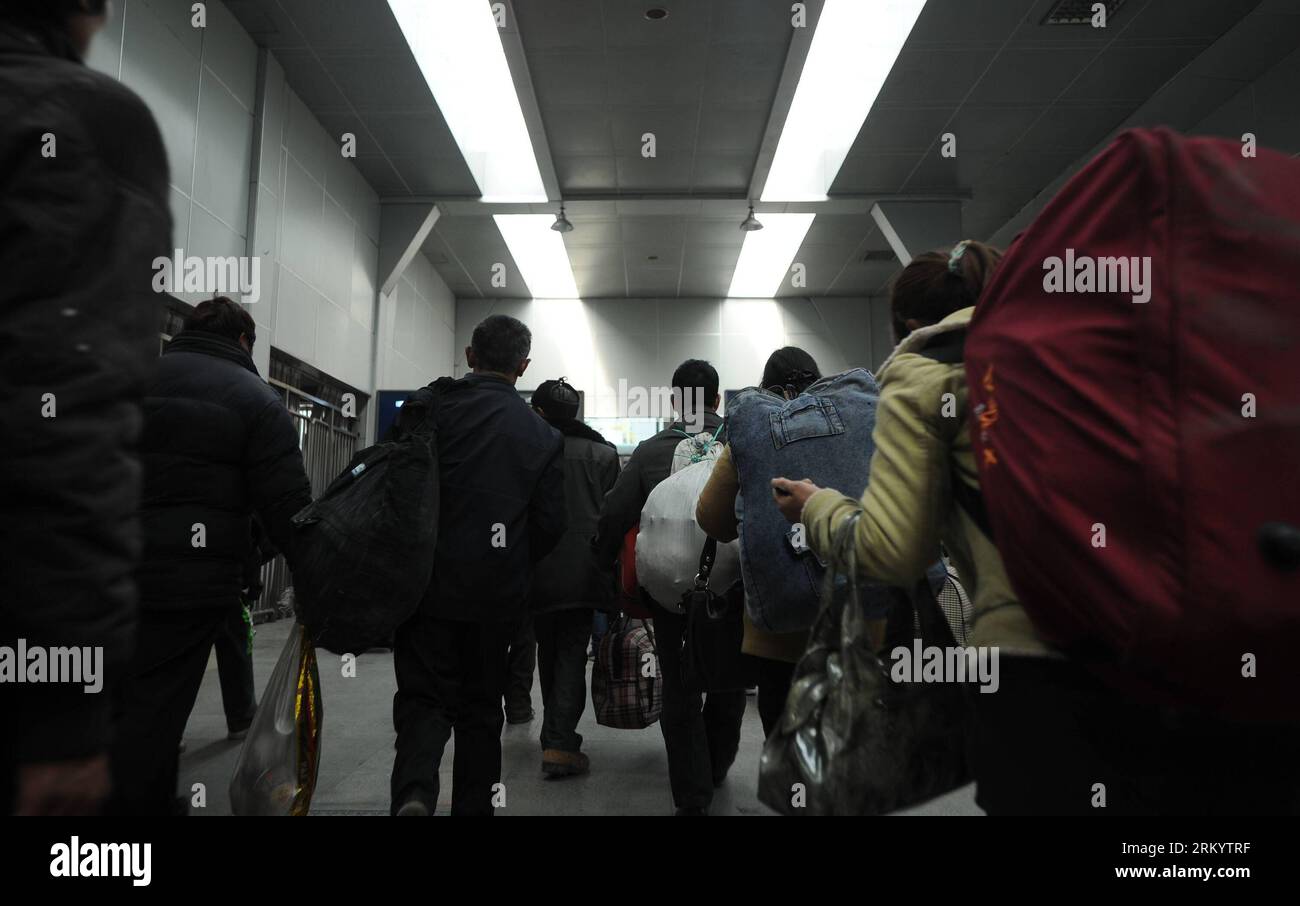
point(936, 284)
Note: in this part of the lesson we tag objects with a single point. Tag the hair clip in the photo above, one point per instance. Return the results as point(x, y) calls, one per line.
point(957, 251)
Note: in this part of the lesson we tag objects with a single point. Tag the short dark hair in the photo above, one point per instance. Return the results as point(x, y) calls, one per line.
point(224, 317)
point(697, 374)
point(501, 343)
point(557, 400)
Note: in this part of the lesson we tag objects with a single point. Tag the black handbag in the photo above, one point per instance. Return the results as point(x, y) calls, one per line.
point(851, 740)
point(715, 628)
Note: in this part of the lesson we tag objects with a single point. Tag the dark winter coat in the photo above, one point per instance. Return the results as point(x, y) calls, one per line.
point(83, 214)
point(218, 446)
point(570, 577)
point(502, 498)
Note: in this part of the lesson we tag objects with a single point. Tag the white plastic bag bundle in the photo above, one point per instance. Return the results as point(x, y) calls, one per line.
point(669, 543)
point(695, 448)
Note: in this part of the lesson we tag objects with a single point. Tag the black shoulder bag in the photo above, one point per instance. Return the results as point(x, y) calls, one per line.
point(715, 627)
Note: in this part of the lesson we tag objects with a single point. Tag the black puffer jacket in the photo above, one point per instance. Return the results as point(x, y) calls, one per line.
point(218, 446)
point(79, 230)
point(570, 577)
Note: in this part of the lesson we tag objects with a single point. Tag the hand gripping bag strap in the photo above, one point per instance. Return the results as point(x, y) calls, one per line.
point(896, 743)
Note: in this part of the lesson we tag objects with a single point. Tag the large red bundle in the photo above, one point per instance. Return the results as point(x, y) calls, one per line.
point(1139, 445)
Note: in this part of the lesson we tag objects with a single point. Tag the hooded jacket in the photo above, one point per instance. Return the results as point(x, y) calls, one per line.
point(908, 508)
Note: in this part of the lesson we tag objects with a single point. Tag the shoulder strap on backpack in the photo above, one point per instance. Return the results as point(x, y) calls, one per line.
point(413, 417)
point(950, 349)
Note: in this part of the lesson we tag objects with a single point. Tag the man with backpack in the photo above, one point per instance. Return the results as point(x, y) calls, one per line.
point(501, 509)
point(701, 733)
point(569, 583)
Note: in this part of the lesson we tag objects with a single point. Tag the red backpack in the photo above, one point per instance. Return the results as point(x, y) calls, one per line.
point(1140, 460)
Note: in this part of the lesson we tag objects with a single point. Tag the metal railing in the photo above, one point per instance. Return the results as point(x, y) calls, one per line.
point(328, 441)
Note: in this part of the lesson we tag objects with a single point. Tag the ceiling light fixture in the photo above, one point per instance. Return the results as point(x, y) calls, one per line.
point(656, 13)
point(750, 223)
point(765, 257)
point(562, 224)
point(458, 49)
point(852, 53)
point(539, 254)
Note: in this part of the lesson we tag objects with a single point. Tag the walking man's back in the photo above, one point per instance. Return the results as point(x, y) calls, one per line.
point(502, 508)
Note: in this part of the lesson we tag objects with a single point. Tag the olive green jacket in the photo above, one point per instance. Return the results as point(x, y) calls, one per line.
point(922, 443)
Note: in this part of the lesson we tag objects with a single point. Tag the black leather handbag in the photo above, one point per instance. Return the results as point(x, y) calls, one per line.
point(715, 627)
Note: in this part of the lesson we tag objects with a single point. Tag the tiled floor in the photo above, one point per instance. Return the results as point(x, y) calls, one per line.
point(629, 771)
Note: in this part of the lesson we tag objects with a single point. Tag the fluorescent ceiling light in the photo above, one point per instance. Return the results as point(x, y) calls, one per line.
point(852, 53)
point(458, 48)
point(540, 254)
point(766, 256)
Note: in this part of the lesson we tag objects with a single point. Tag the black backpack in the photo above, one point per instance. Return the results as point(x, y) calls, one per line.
point(363, 550)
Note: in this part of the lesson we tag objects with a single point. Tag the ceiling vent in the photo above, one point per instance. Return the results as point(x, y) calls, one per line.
point(1080, 12)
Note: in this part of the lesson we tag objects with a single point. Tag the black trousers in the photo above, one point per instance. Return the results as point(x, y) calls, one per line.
point(235, 671)
point(774, 679)
point(450, 678)
point(1052, 733)
point(701, 732)
point(153, 703)
point(523, 663)
point(562, 658)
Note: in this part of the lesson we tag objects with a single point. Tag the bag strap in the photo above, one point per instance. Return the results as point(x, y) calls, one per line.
point(707, 556)
point(950, 349)
point(972, 501)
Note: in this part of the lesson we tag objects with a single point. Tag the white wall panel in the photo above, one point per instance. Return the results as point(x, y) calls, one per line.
point(597, 342)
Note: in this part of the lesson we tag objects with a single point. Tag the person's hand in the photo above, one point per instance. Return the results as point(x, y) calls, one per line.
point(791, 496)
point(77, 786)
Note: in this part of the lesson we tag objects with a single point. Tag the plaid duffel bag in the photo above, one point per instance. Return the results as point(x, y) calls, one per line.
point(626, 688)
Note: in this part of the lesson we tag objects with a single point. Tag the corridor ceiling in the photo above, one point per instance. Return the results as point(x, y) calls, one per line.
point(713, 80)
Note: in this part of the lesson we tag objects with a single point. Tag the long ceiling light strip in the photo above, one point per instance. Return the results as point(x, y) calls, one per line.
point(851, 55)
point(458, 49)
point(539, 254)
point(766, 255)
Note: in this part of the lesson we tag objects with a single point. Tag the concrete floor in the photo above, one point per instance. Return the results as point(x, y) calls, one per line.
point(629, 771)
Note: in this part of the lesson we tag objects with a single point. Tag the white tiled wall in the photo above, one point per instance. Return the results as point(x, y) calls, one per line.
point(316, 224)
point(199, 83)
point(417, 329)
point(597, 342)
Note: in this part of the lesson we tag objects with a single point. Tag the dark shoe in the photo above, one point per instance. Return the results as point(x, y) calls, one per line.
point(238, 734)
point(520, 717)
point(413, 807)
point(692, 811)
point(558, 763)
